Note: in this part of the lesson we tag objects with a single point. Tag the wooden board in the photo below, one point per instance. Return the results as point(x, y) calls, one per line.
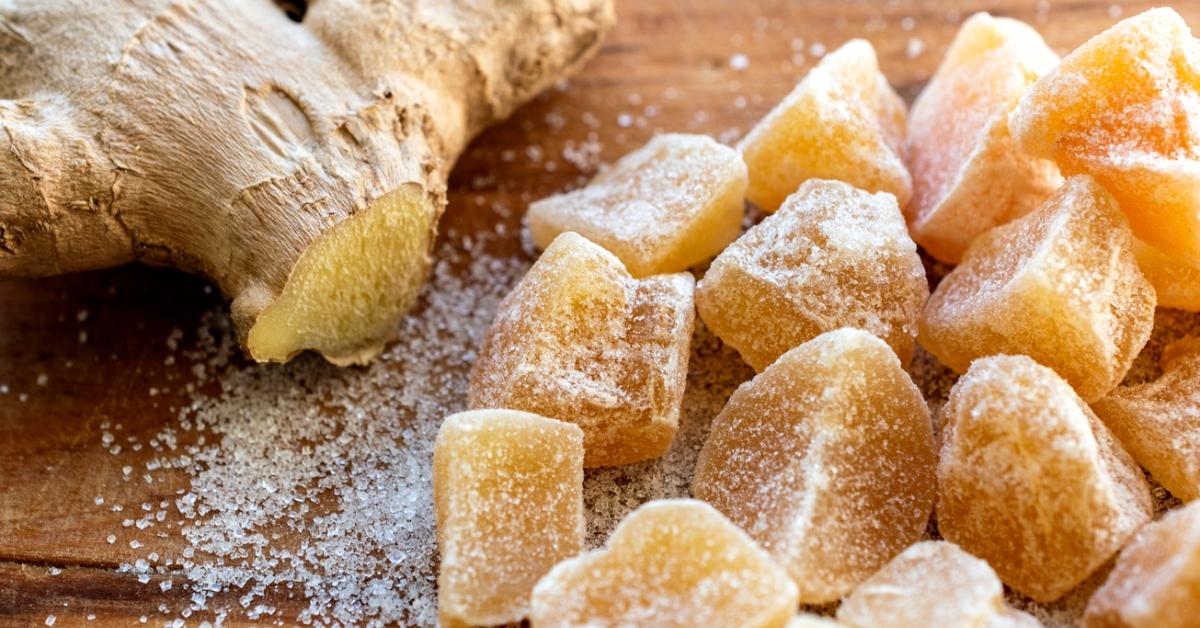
point(665, 68)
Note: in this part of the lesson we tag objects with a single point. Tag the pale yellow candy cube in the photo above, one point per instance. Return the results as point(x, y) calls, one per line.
point(1031, 481)
point(826, 459)
point(674, 203)
point(580, 340)
point(670, 563)
point(843, 121)
point(1156, 583)
point(1159, 421)
point(932, 583)
point(508, 490)
point(1060, 285)
point(833, 256)
point(968, 173)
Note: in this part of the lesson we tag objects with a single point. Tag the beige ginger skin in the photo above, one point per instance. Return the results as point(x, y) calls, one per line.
point(301, 166)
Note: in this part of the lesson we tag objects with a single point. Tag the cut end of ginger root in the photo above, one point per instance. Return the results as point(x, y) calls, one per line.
point(349, 289)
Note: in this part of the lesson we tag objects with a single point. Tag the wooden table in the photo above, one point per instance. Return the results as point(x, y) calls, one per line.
point(667, 67)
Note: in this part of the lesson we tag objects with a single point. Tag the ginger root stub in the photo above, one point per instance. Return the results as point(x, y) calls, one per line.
point(301, 167)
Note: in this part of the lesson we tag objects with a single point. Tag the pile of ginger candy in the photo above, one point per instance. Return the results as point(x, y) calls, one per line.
point(1067, 195)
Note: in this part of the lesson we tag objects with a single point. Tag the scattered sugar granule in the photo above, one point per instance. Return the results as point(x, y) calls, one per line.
point(739, 62)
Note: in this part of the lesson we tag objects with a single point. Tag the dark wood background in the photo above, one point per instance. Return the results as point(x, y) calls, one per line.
point(672, 56)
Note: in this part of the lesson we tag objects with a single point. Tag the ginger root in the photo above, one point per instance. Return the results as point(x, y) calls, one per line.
point(300, 165)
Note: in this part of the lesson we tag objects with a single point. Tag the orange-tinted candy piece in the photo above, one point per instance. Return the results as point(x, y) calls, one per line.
point(833, 256)
point(1125, 108)
point(932, 583)
point(669, 563)
point(580, 340)
point(1156, 583)
point(1031, 481)
point(672, 204)
point(1176, 278)
point(1159, 422)
point(968, 173)
point(843, 121)
point(826, 458)
point(508, 488)
point(1059, 285)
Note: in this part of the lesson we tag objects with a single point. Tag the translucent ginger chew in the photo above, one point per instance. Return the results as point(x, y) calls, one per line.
point(1156, 582)
point(932, 583)
point(843, 121)
point(1159, 421)
point(508, 487)
point(300, 167)
point(1176, 278)
point(670, 563)
point(1031, 481)
point(1121, 108)
point(674, 203)
point(582, 341)
point(826, 458)
point(968, 173)
point(832, 256)
point(1060, 285)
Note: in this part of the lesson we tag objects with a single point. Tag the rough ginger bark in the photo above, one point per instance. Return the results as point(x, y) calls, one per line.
point(299, 165)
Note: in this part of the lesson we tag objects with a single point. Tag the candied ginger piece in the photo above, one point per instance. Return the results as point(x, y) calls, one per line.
point(1159, 421)
point(674, 562)
point(484, 463)
point(968, 173)
point(833, 256)
point(826, 458)
point(932, 583)
point(1156, 582)
point(843, 121)
point(1176, 278)
point(580, 340)
point(1031, 481)
point(1125, 108)
point(1059, 285)
point(672, 204)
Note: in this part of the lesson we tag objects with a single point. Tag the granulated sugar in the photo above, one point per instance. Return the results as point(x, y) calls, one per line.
point(317, 480)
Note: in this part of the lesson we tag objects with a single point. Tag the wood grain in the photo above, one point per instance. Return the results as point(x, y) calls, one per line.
point(666, 68)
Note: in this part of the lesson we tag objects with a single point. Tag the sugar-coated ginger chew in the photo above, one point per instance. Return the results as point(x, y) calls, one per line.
point(674, 203)
point(1159, 421)
point(1156, 582)
point(580, 340)
point(843, 121)
point(826, 459)
point(1176, 278)
point(508, 487)
point(1122, 108)
point(1031, 481)
point(833, 256)
point(673, 562)
point(968, 173)
point(1060, 285)
point(301, 167)
point(932, 583)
